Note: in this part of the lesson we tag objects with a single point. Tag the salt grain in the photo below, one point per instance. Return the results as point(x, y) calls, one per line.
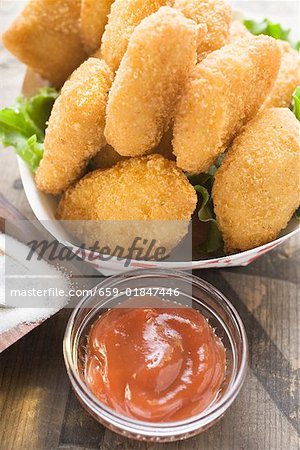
point(25, 275)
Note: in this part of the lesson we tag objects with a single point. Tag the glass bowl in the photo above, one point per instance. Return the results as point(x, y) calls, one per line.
point(195, 293)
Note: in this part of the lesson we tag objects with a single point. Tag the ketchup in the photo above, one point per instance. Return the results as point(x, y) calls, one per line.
point(155, 364)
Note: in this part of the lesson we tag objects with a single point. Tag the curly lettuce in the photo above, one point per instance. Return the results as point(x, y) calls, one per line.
point(214, 241)
point(203, 184)
point(23, 127)
point(296, 103)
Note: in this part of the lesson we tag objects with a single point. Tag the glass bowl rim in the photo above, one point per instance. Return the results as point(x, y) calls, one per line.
point(158, 429)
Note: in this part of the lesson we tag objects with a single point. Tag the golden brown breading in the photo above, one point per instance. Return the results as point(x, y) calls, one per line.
point(224, 92)
point(93, 18)
point(124, 17)
point(150, 189)
point(46, 37)
point(288, 78)
point(75, 131)
point(215, 14)
point(160, 56)
point(238, 31)
point(257, 188)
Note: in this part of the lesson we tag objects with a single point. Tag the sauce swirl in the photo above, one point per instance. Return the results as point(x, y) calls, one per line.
point(155, 364)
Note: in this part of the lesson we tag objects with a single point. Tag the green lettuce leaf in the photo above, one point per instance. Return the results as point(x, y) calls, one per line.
point(272, 29)
point(296, 103)
point(214, 241)
point(23, 127)
point(31, 152)
point(38, 108)
point(203, 184)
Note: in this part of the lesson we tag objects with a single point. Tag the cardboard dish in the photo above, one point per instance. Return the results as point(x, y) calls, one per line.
point(44, 207)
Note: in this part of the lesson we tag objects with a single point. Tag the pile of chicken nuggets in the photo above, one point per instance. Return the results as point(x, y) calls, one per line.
point(153, 90)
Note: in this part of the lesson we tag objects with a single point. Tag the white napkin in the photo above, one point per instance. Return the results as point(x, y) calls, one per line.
point(17, 271)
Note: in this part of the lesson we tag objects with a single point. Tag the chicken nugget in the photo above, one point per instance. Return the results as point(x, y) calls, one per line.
point(238, 31)
point(257, 188)
point(288, 78)
point(75, 131)
point(215, 14)
point(131, 199)
point(125, 15)
point(93, 18)
point(46, 37)
point(224, 92)
point(289, 73)
point(160, 56)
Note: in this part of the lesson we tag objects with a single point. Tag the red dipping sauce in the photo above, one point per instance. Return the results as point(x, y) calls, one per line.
point(155, 364)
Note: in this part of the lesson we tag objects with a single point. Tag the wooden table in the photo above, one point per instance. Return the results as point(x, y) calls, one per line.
point(39, 412)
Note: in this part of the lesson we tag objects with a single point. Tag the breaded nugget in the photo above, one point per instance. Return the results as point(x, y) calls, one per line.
point(257, 188)
point(238, 31)
point(75, 131)
point(131, 199)
point(93, 18)
point(289, 73)
point(288, 78)
point(125, 15)
point(160, 56)
point(215, 14)
point(135, 189)
point(46, 37)
point(224, 92)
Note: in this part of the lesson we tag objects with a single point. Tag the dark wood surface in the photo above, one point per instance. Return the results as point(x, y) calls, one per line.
point(37, 408)
point(39, 411)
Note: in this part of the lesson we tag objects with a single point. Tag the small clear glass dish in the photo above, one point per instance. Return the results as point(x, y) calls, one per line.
point(195, 293)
